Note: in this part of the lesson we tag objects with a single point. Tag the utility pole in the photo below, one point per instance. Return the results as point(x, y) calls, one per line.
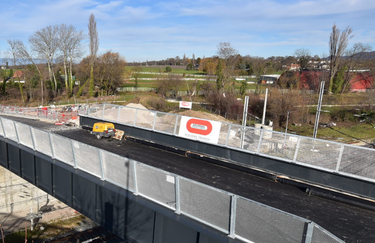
point(318, 110)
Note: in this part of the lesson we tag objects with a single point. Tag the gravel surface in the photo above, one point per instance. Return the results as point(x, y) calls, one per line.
point(350, 223)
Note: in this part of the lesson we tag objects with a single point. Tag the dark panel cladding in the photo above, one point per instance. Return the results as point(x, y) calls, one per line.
point(84, 197)
point(3, 154)
point(170, 231)
point(14, 159)
point(62, 184)
point(27, 166)
point(124, 217)
point(43, 174)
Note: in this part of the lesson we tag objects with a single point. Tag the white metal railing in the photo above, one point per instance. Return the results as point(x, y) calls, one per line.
point(224, 211)
point(349, 160)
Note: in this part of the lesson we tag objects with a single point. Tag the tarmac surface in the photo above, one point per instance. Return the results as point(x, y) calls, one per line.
point(349, 223)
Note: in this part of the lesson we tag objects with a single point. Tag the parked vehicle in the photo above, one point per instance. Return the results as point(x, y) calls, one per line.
point(103, 129)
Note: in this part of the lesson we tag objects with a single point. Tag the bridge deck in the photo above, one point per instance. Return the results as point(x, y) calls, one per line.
point(350, 223)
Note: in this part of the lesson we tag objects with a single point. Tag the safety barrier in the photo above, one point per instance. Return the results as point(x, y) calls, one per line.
point(236, 216)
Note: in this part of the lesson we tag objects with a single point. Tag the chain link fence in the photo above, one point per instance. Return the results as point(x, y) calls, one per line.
point(236, 216)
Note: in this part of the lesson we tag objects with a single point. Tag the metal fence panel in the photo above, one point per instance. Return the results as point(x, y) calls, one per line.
point(251, 139)
point(62, 149)
point(321, 235)
point(358, 161)
point(42, 141)
point(117, 169)
point(318, 153)
point(165, 122)
point(205, 203)
point(234, 138)
point(24, 135)
point(110, 112)
point(127, 115)
point(96, 111)
point(280, 145)
point(223, 133)
point(87, 158)
point(10, 130)
point(260, 223)
point(156, 184)
point(145, 118)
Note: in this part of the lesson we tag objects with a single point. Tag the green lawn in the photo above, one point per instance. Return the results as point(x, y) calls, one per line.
point(161, 70)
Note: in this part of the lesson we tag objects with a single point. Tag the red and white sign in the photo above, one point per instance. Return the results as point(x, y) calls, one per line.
point(186, 104)
point(201, 130)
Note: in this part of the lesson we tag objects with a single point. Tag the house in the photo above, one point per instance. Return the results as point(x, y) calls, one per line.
point(17, 74)
point(293, 67)
point(362, 82)
point(268, 79)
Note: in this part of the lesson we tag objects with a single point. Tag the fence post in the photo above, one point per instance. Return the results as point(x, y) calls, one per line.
point(15, 129)
point(118, 113)
point(103, 111)
point(50, 143)
point(153, 124)
point(297, 148)
point(135, 118)
point(101, 164)
point(2, 125)
point(229, 129)
point(175, 125)
point(309, 232)
point(134, 177)
point(32, 137)
point(178, 199)
point(74, 157)
point(260, 140)
point(233, 211)
point(340, 157)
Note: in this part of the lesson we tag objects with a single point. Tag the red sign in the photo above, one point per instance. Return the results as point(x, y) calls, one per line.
point(201, 127)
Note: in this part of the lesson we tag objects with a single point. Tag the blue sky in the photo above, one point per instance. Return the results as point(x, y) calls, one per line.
point(143, 30)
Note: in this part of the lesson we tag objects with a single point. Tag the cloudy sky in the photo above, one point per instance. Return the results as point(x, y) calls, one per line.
point(143, 30)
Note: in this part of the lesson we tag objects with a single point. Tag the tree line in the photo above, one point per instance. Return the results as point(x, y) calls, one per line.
point(51, 63)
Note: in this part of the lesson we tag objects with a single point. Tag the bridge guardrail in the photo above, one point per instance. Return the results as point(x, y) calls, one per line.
point(349, 160)
point(236, 216)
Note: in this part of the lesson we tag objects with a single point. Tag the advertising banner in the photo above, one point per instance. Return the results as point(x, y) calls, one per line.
point(201, 130)
point(186, 104)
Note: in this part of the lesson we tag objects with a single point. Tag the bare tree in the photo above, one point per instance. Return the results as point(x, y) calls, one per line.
point(70, 47)
point(12, 51)
point(27, 57)
point(45, 43)
point(94, 46)
point(303, 57)
point(224, 70)
point(337, 45)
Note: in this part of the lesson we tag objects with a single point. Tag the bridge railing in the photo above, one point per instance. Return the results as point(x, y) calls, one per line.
point(236, 216)
point(353, 161)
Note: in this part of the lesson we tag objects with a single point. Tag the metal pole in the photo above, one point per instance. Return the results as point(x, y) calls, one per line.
point(287, 121)
point(244, 116)
point(265, 108)
point(316, 125)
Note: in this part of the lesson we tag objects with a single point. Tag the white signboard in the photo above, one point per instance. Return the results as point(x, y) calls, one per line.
point(186, 104)
point(201, 130)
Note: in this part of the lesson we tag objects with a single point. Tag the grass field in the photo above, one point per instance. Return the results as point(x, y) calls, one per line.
point(161, 70)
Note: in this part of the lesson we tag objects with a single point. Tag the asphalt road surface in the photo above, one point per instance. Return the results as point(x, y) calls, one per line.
point(349, 223)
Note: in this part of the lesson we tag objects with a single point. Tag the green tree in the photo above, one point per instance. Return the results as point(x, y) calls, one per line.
point(243, 88)
point(168, 69)
point(338, 80)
